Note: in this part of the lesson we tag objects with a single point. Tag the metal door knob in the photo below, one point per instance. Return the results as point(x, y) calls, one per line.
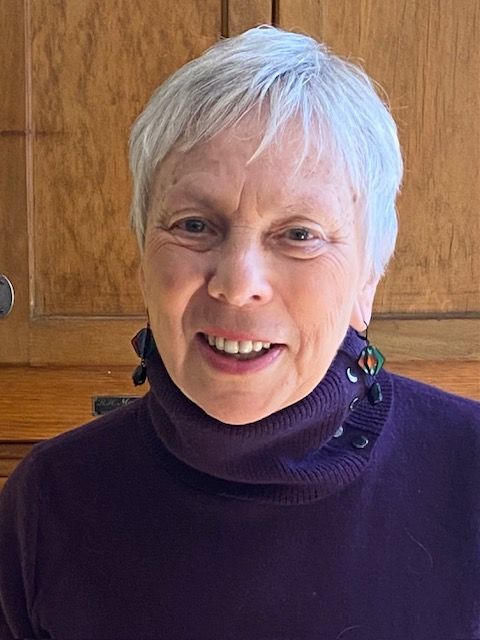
point(7, 296)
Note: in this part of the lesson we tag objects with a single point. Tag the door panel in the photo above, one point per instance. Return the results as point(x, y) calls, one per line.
point(425, 54)
point(94, 64)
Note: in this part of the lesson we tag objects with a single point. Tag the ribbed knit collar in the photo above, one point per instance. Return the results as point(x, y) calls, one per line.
point(297, 455)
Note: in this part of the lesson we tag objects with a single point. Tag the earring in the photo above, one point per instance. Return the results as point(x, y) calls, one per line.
point(143, 344)
point(371, 360)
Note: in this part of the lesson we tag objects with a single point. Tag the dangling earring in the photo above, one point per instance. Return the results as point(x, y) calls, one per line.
point(143, 344)
point(371, 360)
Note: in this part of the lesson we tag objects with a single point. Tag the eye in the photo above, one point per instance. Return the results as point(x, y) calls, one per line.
point(198, 234)
point(300, 234)
point(301, 242)
point(191, 225)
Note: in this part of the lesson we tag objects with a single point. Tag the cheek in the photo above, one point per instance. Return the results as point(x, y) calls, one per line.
point(169, 272)
point(323, 300)
point(169, 283)
point(329, 281)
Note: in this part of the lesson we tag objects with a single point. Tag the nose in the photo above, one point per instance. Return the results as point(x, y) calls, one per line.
point(241, 275)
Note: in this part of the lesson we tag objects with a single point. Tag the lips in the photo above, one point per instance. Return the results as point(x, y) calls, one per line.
point(240, 357)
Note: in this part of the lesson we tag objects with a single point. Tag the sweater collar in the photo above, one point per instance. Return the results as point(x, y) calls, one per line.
point(299, 454)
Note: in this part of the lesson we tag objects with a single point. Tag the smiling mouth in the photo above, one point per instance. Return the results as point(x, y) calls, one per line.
point(238, 349)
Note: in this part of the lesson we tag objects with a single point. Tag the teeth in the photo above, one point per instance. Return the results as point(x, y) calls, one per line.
point(245, 346)
point(237, 346)
point(230, 346)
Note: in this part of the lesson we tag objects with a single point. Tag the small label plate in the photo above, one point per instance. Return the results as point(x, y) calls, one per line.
point(105, 404)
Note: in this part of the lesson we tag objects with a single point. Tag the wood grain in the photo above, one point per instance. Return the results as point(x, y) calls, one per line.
point(77, 341)
point(427, 339)
point(14, 330)
point(94, 66)
point(7, 465)
point(15, 451)
point(38, 403)
point(14, 343)
point(12, 104)
point(244, 14)
point(426, 56)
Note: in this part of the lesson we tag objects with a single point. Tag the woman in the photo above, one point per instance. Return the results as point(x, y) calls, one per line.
point(276, 482)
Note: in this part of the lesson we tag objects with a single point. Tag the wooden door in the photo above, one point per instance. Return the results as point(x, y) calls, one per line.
point(426, 56)
point(74, 75)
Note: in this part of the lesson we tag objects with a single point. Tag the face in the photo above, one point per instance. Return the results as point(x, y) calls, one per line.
point(241, 257)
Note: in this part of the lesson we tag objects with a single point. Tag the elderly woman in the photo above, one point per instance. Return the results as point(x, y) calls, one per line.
point(276, 483)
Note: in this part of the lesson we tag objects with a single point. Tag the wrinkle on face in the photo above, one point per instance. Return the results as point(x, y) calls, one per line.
point(180, 182)
point(305, 303)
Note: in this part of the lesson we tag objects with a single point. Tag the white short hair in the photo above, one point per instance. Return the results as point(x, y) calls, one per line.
point(294, 77)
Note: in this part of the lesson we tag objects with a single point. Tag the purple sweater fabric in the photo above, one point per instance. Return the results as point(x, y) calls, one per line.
point(332, 519)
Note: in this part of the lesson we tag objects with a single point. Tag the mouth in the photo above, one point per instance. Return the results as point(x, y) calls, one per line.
point(238, 349)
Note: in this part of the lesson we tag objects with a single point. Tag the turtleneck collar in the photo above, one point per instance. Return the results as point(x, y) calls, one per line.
point(297, 455)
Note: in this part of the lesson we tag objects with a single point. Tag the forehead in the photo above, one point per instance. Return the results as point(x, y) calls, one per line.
point(286, 169)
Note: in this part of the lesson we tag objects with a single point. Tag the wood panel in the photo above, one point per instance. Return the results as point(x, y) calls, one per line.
point(14, 451)
point(244, 14)
point(82, 342)
point(12, 104)
point(40, 402)
point(426, 55)
point(14, 342)
point(94, 65)
point(10, 456)
point(7, 465)
point(404, 340)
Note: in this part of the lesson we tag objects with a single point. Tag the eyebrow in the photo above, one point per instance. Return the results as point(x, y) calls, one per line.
point(200, 197)
point(304, 203)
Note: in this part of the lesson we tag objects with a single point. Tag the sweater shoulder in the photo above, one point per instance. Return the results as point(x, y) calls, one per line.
point(107, 436)
point(425, 404)
point(421, 391)
point(104, 451)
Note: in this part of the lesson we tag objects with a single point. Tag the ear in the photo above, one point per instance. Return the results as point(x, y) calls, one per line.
point(363, 305)
point(142, 283)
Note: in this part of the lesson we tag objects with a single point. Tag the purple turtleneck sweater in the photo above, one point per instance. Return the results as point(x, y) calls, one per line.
point(333, 519)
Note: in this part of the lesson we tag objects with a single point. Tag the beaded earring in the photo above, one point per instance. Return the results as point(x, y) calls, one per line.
point(143, 343)
point(371, 360)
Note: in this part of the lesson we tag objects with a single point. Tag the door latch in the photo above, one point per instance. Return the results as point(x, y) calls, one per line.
point(7, 296)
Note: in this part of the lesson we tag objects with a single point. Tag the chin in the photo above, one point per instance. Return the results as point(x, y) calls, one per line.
point(237, 415)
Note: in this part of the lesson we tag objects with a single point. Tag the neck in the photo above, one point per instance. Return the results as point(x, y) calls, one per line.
point(299, 454)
